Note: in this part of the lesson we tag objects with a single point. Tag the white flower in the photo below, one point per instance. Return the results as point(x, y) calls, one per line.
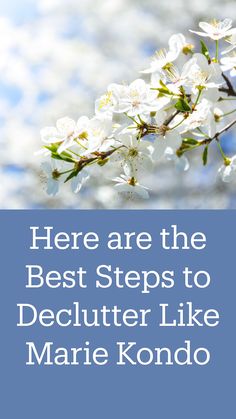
point(164, 58)
point(197, 72)
point(169, 139)
point(53, 176)
point(134, 155)
point(232, 41)
point(202, 116)
point(218, 114)
point(129, 185)
point(50, 135)
point(179, 44)
point(78, 181)
point(105, 104)
point(181, 163)
point(229, 63)
point(175, 79)
point(165, 138)
point(65, 132)
point(216, 29)
point(73, 131)
point(56, 173)
point(66, 129)
point(228, 171)
point(138, 123)
point(212, 95)
point(160, 61)
point(135, 98)
point(100, 134)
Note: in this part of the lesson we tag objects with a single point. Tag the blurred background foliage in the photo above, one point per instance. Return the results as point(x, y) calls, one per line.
point(56, 58)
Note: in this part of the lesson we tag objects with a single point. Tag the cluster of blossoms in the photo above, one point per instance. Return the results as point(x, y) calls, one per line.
point(179, 105)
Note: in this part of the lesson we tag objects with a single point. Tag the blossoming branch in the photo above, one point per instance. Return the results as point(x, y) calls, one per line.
point(180, 104)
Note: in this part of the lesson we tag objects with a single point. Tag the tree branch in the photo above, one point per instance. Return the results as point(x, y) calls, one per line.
point(219, 133)
point(183, 148)
point(98, 156)
point(171, 117)
point(230, 89)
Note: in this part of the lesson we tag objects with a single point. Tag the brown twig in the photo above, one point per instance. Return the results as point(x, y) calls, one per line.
point(98, 156)
point(219, 133)
point(230, 89)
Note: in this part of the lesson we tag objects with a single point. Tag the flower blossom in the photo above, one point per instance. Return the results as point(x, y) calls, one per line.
point(164, 138)
point(227, 171)
point(216, 29)
point(182, 107)
point(133, 154)
point(232, 41)
point(133, 99)
point(65, 132)
point(128, 184)
point(163, 58)
point(199, 74)
point(229, 64)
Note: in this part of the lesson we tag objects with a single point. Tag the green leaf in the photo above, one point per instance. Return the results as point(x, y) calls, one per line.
point(63, 156)
point(182, 91)
point(182, 105)
point(64, 153)
point(71, 175)
point(205, 50)
point(163, 84)
point(205, 156)
point(164, 89)
point(59, 157)
point(190, 141)
point(52, 147)
point(56, 156)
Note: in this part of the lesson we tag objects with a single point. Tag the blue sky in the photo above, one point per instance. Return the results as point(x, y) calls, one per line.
point(18, 10)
